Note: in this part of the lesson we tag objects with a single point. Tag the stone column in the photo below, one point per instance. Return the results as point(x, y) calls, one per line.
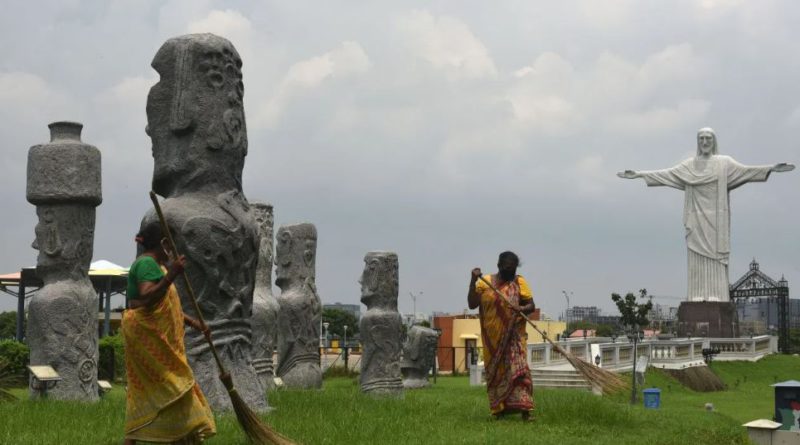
point(64, 184)
point(300, 308)
point(381, 326)
point(195, 119)
point(418, 356)
point(265, 305)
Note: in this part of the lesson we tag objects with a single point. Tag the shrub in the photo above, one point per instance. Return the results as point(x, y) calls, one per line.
point(15, 355)
point(112, 358)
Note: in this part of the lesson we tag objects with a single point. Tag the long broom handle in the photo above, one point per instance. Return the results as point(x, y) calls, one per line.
point(506, 300)
point(174, 248)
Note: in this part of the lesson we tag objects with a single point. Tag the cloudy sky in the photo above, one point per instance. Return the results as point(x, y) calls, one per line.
point(446, 131)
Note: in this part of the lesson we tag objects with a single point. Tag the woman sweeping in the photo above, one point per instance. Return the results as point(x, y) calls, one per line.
point(164, 403)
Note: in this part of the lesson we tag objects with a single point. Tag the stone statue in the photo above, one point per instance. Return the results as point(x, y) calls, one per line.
point(707, 180)
point(419, 353)
point(381, 326)
point(195, 119)
point(300, 309)
point(64, 184)
point(265, 305)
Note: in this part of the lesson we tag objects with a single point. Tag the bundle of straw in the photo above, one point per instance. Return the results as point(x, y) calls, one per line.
point(606, 381)
point(254, 428)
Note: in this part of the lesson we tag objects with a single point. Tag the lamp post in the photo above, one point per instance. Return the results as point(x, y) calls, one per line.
point(414, 300)
point(633, 336)
point(325, 345)
point(345, 336)
point(567, 316)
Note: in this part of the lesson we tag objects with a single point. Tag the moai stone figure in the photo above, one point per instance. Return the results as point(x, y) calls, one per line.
point(381, 326)
point(64, 184)
point(300, 307)
point(418, 356)
point(195, 119)
point(265, 305)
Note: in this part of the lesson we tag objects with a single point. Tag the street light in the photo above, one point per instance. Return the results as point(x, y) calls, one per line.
point(345, 336)
point(414, 299)
point(325, 325)
point(567, 314)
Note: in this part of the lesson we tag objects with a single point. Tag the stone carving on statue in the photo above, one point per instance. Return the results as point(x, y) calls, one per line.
point(64, 184)
point(265, 305)
point(706, 180)
point(381, 326)
point(300, 308)
point(419, 351)
point(195, 119)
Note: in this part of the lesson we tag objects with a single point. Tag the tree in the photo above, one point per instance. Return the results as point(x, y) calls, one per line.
point(8, 324)
point(633, 313)
point(338, 319)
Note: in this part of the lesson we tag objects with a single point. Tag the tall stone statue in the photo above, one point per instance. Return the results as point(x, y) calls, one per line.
point(419, 353)
point(381, 326)
point(300, 308)
point(64, 184)
point(265, 305)
point(195, 119)
point(706, 180)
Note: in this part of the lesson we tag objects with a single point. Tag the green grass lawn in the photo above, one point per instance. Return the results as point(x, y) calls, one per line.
point(450, 412)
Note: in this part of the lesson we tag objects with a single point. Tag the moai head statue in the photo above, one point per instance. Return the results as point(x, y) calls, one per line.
point(195, 116)
point(379, 282)
point(295, 253)
point(65, 201)
point(264, 219)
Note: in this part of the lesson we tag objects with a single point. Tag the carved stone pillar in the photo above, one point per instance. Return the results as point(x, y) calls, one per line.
point(195, 119)
point(381, 326)
point(64, 184)
point(300, 307)
point(265, 305)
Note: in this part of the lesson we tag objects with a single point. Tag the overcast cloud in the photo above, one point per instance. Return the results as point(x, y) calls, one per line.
point(444, 131)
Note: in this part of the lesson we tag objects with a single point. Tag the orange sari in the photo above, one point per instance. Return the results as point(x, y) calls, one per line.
point(508, 378)
point(164, 403)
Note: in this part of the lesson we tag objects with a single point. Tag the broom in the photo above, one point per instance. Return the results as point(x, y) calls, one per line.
point(256, 431)
point(607, 381)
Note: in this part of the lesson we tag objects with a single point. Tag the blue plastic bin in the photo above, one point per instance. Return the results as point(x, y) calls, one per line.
point(652, 398)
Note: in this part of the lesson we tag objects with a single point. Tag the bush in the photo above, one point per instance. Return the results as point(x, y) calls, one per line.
point(16, 355)
point(112, 358)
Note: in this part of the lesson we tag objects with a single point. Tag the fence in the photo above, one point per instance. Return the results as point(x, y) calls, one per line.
point(675, 353)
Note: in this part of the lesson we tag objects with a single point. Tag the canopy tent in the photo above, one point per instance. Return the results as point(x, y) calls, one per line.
point(107, 278)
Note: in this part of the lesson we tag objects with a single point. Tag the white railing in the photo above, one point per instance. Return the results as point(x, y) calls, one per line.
point(617, 354)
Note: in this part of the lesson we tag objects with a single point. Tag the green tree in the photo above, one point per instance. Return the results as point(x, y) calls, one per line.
point(338, 319)
point(8, 324)
point(631, 312)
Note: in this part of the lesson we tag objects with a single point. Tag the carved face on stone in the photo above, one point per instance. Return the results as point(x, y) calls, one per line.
point(195, 116)
point(64, 238)
point(295, 253)
point(706, 142)
point(264, 219)
point(379, 283)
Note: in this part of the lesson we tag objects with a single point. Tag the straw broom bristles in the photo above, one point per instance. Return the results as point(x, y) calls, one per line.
point(606, 381)
point(254, 428)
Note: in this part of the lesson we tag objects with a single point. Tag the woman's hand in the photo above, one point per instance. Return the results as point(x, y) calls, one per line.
point(176, 268)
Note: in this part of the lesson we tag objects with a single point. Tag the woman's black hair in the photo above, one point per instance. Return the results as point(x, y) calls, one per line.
point(150, 236)
point(508, 255)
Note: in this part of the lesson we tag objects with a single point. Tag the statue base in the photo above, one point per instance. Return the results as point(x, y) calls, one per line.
point(708, 319)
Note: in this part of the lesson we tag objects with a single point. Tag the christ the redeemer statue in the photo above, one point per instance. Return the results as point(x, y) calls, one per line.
point(707, 179)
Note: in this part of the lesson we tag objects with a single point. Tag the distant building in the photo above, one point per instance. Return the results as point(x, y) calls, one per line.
point(587, 314)
point(354, 309)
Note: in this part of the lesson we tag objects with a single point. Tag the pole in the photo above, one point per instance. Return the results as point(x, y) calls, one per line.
point(107, 320)
point(633, 385)
point(20, 310)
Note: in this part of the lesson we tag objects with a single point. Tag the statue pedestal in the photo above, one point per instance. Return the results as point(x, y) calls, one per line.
point(708, 319)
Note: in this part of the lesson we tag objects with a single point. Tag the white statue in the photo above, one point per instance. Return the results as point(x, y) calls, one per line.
point(707, 179)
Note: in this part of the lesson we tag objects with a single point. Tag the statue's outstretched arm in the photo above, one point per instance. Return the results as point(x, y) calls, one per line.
point(629, 174)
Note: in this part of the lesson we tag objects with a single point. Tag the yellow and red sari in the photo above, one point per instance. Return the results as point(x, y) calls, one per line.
point(508, 378)
point(164, 403)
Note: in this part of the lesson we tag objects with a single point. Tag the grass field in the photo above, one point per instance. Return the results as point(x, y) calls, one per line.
point(450, 412)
